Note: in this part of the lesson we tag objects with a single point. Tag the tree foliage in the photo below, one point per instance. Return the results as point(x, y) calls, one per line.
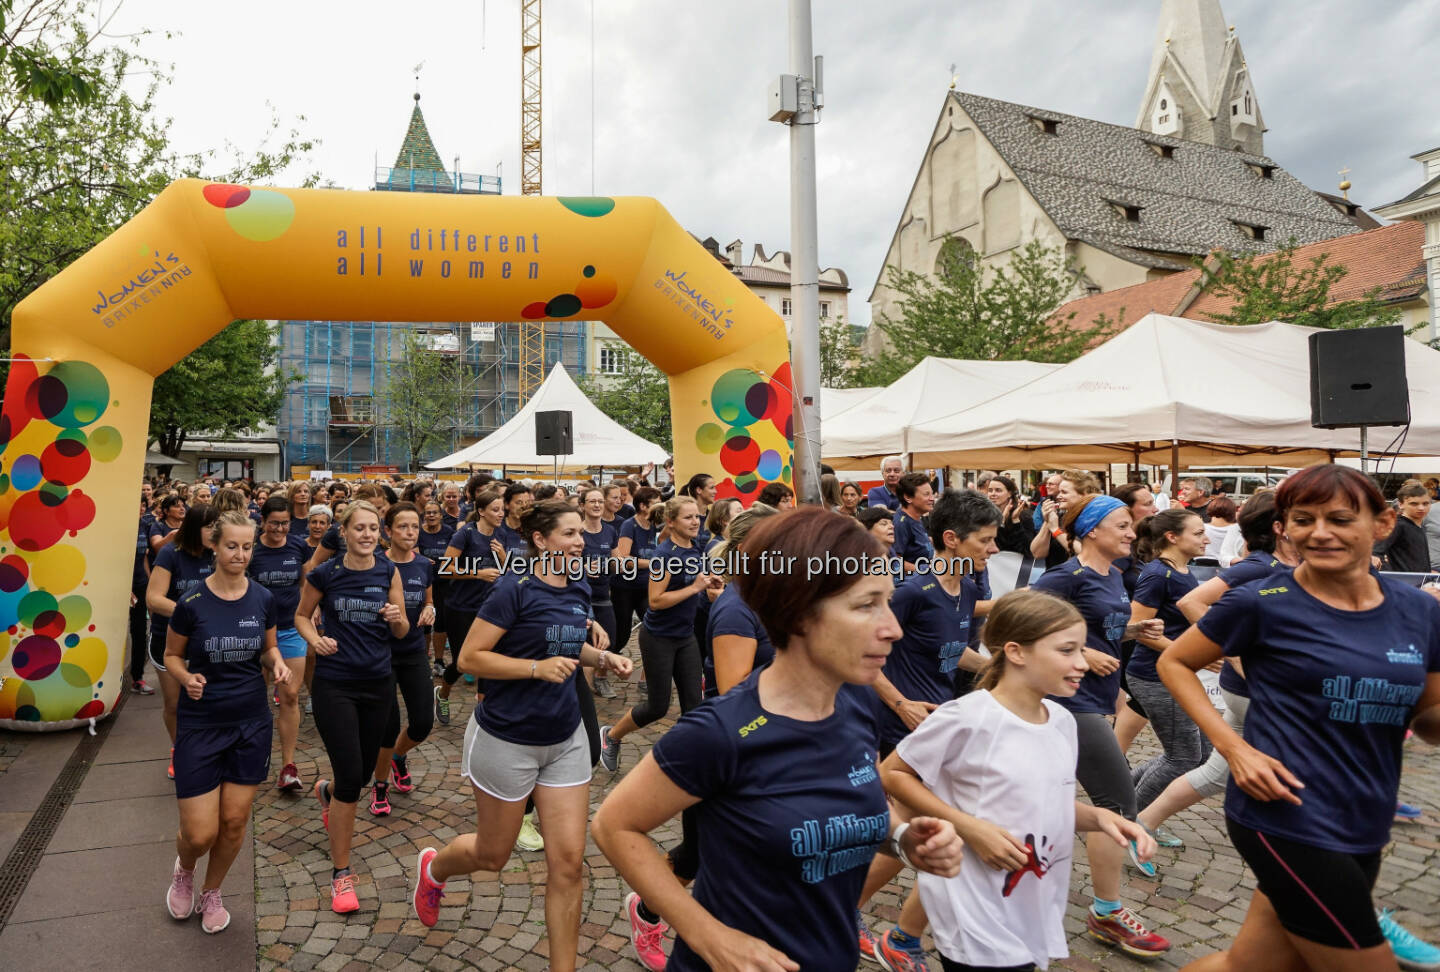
point(638, 398)
point(36, 71)
point(1273, 287)
point(1004, 313)
point(838, 353)
point(424, 398)
point(73, 169)
point(228, 386)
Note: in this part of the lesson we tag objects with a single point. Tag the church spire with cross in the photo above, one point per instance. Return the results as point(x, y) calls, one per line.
point(1199, 86)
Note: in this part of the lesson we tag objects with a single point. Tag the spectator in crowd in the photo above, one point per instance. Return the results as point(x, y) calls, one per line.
point(1406, 548)
point(778, 495)
point(1195, 494)
point(830, 492)
point(1221, 530)
point(1017, 530)
point(887, 495)
point(849, 498)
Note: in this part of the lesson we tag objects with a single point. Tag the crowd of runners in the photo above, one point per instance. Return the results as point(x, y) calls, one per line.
point(855, 700)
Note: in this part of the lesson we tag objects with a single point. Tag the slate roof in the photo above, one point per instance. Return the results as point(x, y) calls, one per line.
point(1388, 258)
point(1190, 203)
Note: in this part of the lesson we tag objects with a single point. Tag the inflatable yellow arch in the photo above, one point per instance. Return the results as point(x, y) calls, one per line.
point(89, 343)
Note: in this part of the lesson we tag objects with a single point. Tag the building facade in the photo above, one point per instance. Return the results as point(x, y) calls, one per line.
point(1125, 205)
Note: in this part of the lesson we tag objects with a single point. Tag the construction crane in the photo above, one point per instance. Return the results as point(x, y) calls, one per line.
point(532, 333)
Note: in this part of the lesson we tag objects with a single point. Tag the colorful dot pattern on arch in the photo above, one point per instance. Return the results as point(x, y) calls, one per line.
point(51, 421)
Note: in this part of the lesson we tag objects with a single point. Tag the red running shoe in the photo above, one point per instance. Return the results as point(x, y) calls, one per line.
point(428, 893)
point(170, 770)
point(1124, 931)
point(290, 779)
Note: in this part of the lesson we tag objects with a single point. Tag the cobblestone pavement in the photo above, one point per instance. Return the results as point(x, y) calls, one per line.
point(497, 921)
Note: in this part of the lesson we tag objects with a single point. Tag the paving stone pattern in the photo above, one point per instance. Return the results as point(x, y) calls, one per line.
point(497, 921)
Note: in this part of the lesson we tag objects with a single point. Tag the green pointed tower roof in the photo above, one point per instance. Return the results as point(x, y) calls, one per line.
point(418, 151)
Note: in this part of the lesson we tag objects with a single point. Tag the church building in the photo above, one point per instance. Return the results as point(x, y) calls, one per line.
point(1127, 205)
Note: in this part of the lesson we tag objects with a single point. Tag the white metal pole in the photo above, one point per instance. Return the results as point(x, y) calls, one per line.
point(804, 261)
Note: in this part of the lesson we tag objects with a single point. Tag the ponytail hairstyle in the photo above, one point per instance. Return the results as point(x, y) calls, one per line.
point(1257, 521)
point(229, 498)
point(673, 506)
point(483, 498)
point(216, 527)
point(1150, 532)
point(357, 505)
point(1023, 617)
point(739, 527)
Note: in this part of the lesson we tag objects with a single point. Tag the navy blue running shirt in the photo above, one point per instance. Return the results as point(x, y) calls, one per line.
point(1160, 587)
point(1251, 568)
point(516, 546)
point(540, 622)
point(730, 615)
point(936, 626)
point(227, 640)
point(912, 542)
point(599, 546)
point(679, 566)
point(642, 547)
point(1333, 693)
point(790, 816)
point(467, 593)
point(350, 606)
point(185, 572)
point(1103, 604)
point(432, 545)
point(142, 547)
point(414, 582)
point(278, 570)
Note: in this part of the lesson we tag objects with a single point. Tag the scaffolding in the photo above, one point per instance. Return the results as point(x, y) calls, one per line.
point(334, 416)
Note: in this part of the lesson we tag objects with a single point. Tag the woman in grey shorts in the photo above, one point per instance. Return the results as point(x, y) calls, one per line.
point(530, 637)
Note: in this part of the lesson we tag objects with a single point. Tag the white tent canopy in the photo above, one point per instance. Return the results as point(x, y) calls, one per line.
point(599, 439)
point(1229, 395)
point(833, 401)
point(876, 426)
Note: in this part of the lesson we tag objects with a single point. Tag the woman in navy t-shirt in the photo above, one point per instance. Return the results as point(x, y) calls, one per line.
point(1339, 661)
point(1092, 583)
point(182, 561)
point(1169, 541)
point(221, 634)
point(409, 659)
point(435, 536)
point(638, 537)
point(781, 771)
point(362, 607)
point(472, 565)
point(600, 539)
point(668, 649)
point(278, 565)
point(533, 632)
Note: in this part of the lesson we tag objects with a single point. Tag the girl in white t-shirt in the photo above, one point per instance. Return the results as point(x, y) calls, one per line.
point(1000, 764)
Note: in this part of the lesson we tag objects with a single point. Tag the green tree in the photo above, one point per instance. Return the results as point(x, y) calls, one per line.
point(424, 398)
point(638, 397)
point(228, 386)
point(838, 353)
point(37, 72)
point(1273, 287)
point(71, 174)
point(1005, 313)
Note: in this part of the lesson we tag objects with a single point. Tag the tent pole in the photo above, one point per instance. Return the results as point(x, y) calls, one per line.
point(1175, 469)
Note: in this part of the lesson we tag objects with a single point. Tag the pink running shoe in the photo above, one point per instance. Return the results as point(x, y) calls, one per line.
point(180, 899)
point(646, 938)
point(342, 895)
point(213, 916)
point(380, 800)
point(400, 775)
point(428, 893)
point(290, 778)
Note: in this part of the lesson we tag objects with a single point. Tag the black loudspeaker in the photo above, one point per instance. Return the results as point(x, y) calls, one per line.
point(1358, 378)
point(553, 435)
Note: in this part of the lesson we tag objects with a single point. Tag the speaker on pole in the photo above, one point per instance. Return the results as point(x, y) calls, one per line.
point(553, 433)
point(1357, 378)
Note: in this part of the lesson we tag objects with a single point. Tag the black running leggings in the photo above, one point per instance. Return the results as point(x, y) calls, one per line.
point(605, 617)
point(666, 658)
point(139, 642)
point(457, 626)
point(351, 718)
point(414, 681)
point(628, 604)
point(588, 717)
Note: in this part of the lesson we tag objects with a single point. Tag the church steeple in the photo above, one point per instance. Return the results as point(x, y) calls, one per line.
point(1199, 86)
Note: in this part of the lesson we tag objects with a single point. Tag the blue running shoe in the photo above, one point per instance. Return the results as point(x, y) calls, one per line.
point(1404, 811)
point(1409, 951)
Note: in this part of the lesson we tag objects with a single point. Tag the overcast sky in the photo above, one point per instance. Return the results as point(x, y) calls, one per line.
point(679, 92)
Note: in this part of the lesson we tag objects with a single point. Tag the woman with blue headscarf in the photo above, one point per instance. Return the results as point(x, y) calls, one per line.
point(1090, 581)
